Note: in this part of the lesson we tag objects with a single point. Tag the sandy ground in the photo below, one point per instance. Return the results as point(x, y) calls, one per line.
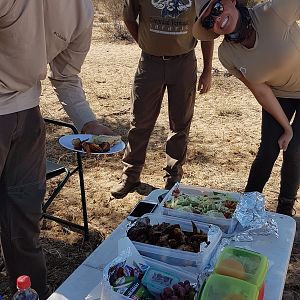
point(223, 141)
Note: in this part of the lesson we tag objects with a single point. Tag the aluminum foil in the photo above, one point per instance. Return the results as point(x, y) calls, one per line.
point(253, 217)
point(211, 266)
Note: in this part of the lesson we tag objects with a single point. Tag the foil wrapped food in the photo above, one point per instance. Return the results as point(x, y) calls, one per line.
point(253, 217)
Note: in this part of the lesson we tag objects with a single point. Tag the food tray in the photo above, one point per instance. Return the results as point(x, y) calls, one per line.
point(179, 257)
point(226, 225)
point(109, 294)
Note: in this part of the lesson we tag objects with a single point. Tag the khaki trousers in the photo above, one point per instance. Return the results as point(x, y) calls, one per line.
point(22, 190)
point(154, 75)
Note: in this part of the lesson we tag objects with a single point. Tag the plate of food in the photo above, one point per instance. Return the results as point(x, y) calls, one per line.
point(92, 144)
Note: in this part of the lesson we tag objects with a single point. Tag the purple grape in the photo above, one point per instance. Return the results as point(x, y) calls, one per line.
point(187, 288)
point(181, 292)
point(168, 292)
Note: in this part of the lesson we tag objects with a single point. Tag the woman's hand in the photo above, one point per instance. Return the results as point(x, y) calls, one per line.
point(285, 138)
point(265, 96)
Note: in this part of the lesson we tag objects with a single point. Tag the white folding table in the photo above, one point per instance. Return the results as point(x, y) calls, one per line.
point(86, 278)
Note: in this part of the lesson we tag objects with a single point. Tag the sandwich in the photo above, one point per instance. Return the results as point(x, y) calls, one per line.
point(111, 139)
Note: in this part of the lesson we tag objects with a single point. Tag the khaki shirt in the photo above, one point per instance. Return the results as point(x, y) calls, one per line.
point(165, 27)
point(275, 57)
point(34, 33)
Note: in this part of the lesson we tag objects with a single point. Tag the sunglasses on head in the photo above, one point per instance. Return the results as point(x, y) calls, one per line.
point(209, 21)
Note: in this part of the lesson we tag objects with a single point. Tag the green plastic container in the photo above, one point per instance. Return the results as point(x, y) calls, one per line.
point(219, 287)
point(243, 264)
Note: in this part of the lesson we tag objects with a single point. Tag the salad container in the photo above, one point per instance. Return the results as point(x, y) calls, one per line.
point(203, 205)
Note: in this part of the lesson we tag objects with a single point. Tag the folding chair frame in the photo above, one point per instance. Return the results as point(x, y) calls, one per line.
point(68, 174)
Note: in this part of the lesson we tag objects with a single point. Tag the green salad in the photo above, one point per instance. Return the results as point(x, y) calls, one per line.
point(214, 204)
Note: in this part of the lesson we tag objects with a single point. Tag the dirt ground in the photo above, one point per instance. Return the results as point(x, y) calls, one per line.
point(223, 141)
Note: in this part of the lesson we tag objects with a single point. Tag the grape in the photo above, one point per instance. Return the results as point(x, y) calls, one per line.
point(181, 292)
point(164, 297)
point(187, 288)
point(168, 292)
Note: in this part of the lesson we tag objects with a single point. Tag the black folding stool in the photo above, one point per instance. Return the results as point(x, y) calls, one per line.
point(54, 169)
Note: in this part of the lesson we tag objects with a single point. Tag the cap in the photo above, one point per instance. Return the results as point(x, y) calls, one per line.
point(199, 32)
point(23, 282)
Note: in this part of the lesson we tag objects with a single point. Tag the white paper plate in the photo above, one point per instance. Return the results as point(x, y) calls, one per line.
point(66, 141)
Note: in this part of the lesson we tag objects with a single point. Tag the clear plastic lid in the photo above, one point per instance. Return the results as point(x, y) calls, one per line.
point(156, 280)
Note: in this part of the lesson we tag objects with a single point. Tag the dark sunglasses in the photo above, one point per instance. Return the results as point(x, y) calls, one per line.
point(209, 21)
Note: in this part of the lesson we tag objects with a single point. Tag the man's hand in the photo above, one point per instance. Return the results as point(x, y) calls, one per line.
point(94, 127)
point(204, 83)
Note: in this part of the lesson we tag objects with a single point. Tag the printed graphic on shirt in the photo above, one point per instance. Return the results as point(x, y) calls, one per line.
point(169, 23)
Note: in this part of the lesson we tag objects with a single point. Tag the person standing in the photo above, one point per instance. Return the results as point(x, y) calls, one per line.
point(163, 31)
point(261, 47)
point(33, 34)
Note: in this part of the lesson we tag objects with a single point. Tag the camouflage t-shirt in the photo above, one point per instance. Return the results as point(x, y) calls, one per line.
point(275, 57)
point(165, 27)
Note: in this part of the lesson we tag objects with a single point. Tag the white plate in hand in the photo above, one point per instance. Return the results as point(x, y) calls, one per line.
point(66, 141)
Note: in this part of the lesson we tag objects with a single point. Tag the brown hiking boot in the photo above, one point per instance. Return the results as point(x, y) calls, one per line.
point(170, 181)
point(286, 206)
point(169, 184)
point(123, 188)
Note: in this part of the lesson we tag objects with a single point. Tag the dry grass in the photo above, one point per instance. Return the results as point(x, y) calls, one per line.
point(223, 142)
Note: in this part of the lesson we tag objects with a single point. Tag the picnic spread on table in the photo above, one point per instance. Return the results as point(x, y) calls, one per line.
point(183, 251)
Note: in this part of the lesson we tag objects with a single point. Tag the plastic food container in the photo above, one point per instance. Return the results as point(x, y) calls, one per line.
point(226, 225)
point(109, 294)
point(156, 280)
point(219, 287)
point(243, 264)
point(180, 257)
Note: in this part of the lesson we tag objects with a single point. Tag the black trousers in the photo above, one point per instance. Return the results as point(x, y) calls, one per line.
point(269, 150)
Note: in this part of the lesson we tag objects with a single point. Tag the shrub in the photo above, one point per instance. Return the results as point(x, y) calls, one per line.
point(115, 28)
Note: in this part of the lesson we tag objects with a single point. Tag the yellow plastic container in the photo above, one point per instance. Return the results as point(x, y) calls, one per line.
point(219, 287)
